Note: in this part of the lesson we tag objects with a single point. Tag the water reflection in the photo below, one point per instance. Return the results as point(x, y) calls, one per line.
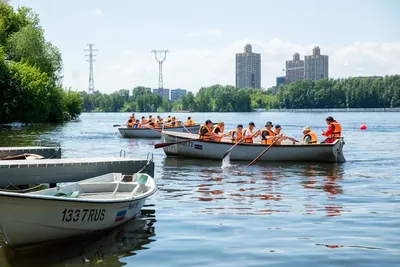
point(262, 190)
point(101, 248)
point(26, 135)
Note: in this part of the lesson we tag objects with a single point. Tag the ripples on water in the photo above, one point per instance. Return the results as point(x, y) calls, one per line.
point(209, 213)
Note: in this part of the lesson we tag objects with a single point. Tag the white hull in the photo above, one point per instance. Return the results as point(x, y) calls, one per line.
point(248, 152)
point(154, 133)
point(32, 218)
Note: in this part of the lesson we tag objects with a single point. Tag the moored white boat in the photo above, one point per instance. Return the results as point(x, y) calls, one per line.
point(90, 205)
point(154, 132)
point(204, 149)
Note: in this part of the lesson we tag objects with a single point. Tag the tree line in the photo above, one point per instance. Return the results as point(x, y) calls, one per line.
point(326, 93)
point(30, 72)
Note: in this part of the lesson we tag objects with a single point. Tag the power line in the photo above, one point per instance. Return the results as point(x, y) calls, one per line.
point(160, 56)
point(91, 60)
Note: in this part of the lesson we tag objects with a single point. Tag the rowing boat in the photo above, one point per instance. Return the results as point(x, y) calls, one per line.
point(95, 204)
point(204, 149)
point(154, 132)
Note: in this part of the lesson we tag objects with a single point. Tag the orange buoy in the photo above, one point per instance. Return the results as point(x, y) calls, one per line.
point(363, 127)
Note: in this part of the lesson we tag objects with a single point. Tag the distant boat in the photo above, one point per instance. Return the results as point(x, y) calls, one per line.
point(260, 110)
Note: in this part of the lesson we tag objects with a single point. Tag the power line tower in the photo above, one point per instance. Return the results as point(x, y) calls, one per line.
point(160, 56)
point(91, 60)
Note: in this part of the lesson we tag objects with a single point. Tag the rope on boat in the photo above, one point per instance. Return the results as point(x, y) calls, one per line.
point(19, 190)
point(149, 161)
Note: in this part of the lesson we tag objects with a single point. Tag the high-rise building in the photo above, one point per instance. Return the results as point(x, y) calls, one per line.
point(316, 66)
point(162, 91)
point(294, 69)
point(281, 80)
point(248, 69)
point(177, 93)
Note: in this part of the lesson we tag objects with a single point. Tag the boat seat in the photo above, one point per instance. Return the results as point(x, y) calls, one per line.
point(73, 194)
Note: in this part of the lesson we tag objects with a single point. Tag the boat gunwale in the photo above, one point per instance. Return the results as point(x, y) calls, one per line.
point(81, 200)
point(250, 144)
point(157, 128)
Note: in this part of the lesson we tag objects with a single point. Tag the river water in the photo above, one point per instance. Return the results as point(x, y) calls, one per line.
point(270, 214)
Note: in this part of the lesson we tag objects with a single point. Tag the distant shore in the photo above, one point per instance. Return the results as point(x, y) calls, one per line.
point(336, 110)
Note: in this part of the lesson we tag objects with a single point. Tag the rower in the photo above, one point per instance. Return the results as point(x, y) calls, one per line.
point(143, 121)
point(333, 132)
point(248, 133)
point(237, 134)
point(159, 120)
point(136, 124)
point(205, 131)
point(130, 123)
point(278, 133)
point(151, 119)
point(219, 130)
point(267, 135)
point(308, 136)
point(169, 119)
point(190, 122)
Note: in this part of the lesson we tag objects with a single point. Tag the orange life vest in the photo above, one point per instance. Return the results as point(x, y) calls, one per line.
point(247, 139)
point(236, 136)
point(201, 135)
point(217, 127)
point(312, 136)
point(130, 124)
point(264, 134)
point(337, 132)
point(190, 122)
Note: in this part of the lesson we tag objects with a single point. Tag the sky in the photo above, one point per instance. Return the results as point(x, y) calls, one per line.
point(361, 37)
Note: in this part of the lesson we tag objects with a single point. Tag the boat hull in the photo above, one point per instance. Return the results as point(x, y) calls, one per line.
point(153, 133)
point(247, 152)
point(26, 221)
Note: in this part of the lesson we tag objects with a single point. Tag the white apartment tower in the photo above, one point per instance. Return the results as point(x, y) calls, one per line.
point(248, 69)
point(316, 66)
point(294, 69)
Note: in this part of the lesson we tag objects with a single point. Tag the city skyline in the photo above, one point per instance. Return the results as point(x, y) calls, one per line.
point(203, 50)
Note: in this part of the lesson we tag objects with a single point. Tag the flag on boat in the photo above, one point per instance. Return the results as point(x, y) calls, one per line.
point(120, 216)
point(198, 146)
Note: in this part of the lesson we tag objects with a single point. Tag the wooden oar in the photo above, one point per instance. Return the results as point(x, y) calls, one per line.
point(262, 153)
point(117, 125)
point(240, 141)
point(175, 143)
point(230, 149)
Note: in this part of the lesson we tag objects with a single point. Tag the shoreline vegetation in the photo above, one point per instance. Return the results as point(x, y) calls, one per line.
point(358, 94)
point(30, 72)
point(32, 92)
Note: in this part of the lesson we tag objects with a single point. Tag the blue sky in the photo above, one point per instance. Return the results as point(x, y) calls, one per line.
point(361, 38)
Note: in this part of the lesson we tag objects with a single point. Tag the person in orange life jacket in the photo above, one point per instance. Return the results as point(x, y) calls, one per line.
point(131, 117)
point(248, 134)
point(219, 129)
point(267, 135)
point(151, 119)
point(159, 120)
point(169, 119)
point(237, 134)
point(173, 123)
point(308, 136)
point(206, 132)
point(130, 123)
point(189, 122)
point(333, 132)
point(143, 121)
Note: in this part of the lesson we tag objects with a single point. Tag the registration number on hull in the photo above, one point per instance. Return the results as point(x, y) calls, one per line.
point(83, 215)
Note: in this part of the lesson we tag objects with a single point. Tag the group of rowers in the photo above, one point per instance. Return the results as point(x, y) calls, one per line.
point(268, 135)
point(155, 123)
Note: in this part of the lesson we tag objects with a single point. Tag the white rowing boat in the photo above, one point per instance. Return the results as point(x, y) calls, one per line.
point(204, 149)
point(90, 205)
point(154, 132)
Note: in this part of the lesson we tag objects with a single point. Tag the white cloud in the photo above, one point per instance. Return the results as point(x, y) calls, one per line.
point(128, 52)
point(210, 32)
point(194, 68)
point(95, 12)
